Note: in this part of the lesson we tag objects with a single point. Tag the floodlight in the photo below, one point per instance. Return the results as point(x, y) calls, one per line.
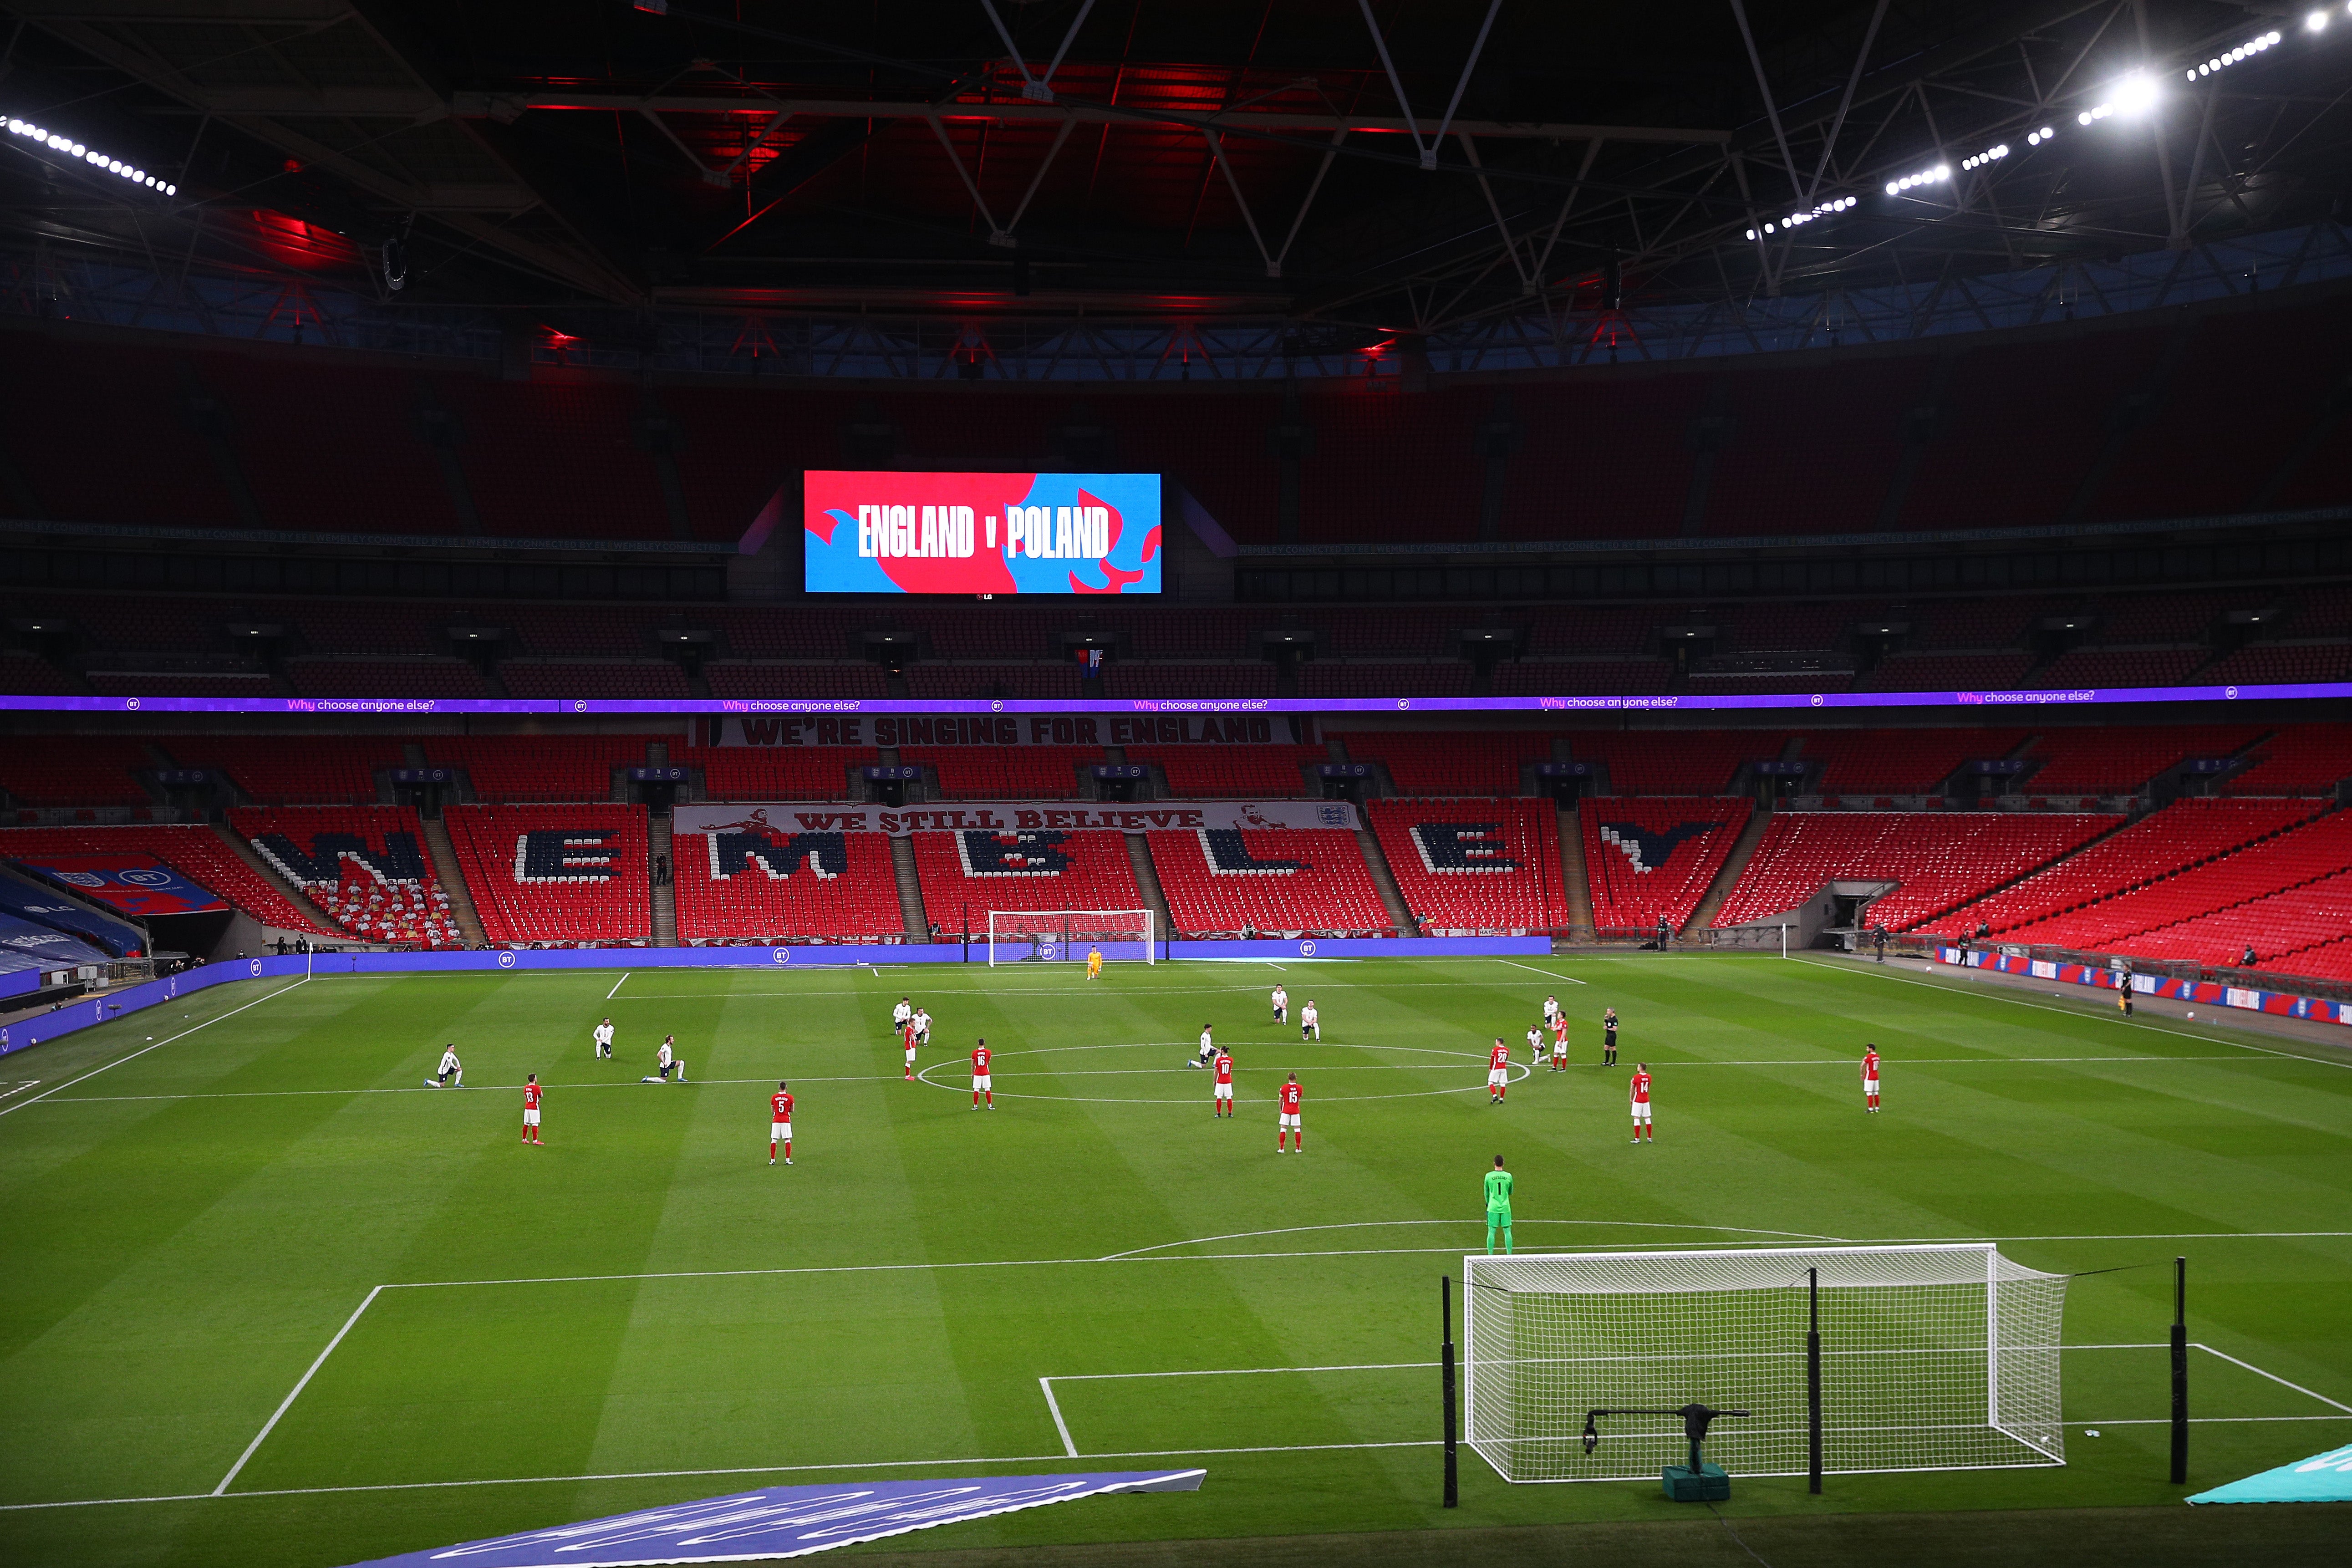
point(2316, 21)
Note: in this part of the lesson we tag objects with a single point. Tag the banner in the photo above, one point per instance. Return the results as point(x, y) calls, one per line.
point(766, 1523)
point(1003, 729)
point(2323, 1477)
point(886, 533)
point(788, 817)
point(135, 884)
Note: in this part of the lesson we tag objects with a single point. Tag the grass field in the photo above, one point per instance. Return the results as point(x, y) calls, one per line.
point(646, 1312)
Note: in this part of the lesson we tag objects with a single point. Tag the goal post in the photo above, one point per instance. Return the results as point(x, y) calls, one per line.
point(1067, 936)
point(1932, 1356)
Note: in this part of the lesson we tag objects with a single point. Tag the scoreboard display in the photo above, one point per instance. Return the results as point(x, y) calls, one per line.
point(892, 532)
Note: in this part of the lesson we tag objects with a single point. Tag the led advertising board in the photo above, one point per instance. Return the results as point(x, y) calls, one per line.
point(884, 532)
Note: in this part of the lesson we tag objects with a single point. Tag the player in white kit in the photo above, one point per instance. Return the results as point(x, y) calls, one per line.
point(1310, 1021)
point(603, 1034)
point(1281, 1000)
point(1208, 1051)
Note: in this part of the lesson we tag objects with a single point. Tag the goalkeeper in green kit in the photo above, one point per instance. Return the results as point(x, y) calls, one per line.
point(1499, 1206)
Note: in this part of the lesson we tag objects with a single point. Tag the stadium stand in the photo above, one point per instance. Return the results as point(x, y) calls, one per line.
point(1947, 672)
point(384, 677)
point(556, 875)
point(1004, 773)
point(1608, 458)
point(180, 683)
point(1292, 882)
point(1936, 861)
point(980, 871)
point(2186, 833)
point(1450, 762)
point(1900, 762)
point(1439, 678)
point(333, 447)
point(2288, 860)
point(290, 770)
point(2283, 663)
point(538, 767)
point(74, 769)
point(1211, 681)
point(774, 773)
point(771, 885)
point(1582, 677)
point(2097, 666)
point(1473, 866)
point(1027, 682)
point(80, 469)
point(1648, 860)
point(365, 865)
point(1846, 417)
point(1674, 762)
point(643, 679)
point(28, 675)
point(1234, 773)
point(824, 682)
point(2305, 760)
point(2116, 759)
point(556, 460)
point(197, 853)
point(2278, 927)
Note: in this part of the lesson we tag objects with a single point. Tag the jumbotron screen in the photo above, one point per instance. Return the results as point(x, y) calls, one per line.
point(881, 533)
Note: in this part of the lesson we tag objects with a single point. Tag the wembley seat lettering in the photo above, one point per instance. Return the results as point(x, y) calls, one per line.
point(1459, 848)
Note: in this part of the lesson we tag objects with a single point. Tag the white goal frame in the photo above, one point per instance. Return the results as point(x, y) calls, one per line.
point(1070, 933)
point(1934, 1357)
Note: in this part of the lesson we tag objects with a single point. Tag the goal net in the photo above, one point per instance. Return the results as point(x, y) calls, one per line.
point(1067, 936)
point(1934, 1357)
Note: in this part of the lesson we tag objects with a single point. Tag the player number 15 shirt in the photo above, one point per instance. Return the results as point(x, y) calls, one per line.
point(979, 1058)
point(1290, 1100)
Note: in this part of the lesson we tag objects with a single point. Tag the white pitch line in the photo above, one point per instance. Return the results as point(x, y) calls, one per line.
point(287, 1403)
point(419, 1088)
point(1060, 1426)
point(1547, 973)
point(2274, 1377)
point(615, 991)
point(158, 1045)
point(2076, 1013)
point(1233, 1372)
point(19, 1088)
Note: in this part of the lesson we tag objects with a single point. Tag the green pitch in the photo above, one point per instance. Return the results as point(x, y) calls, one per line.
point(644, 1310)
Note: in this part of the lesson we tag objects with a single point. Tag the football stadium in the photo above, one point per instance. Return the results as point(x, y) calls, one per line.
point(1487, 783)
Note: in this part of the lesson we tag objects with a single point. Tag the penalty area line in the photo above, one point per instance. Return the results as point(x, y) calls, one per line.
point(615, 991)
point(1531, 969)
point(296, 1391)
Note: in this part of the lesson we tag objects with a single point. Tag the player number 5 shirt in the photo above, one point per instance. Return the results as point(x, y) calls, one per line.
point(784, 1106)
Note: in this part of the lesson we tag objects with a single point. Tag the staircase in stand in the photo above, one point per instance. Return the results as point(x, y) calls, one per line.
point(657, 848)
point(1575, 881)
point(1385, 881)
point(1727, 878)
point(1147, 880)
point(911, 888)
point(453, 882)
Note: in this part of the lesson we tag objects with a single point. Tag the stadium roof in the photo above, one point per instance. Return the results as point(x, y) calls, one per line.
point(1352, 172)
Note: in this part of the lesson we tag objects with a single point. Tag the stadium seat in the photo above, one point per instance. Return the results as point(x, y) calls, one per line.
point(1292, 882)
point(74, 769)
point(2303, 760)
point(1473, 867)
point(1234, 773)
point(556, 875)
point(292, 770)
point(2117, 759)
point(1936, 860)
point(1450, 762)
point(973, 873)
point(769, 886)
point(367, 866)
point(775, 772)
point(538, 767)
point(1004, 773)
point(1647, 860)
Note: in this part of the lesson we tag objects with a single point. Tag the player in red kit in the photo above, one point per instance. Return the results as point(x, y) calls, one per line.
point(1498, 1071)
point(780, 1128)
point(1287, 1122)
point(1639, 1095)
point(531, 1093)
point(1221, 1100)
point(1870, 1078)
point(982, 1083)
point(907, 1039)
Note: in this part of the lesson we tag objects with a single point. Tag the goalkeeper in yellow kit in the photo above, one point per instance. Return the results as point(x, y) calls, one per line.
point(1498, 1206)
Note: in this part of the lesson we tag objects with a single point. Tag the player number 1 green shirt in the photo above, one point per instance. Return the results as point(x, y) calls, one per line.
point(1498, 1191)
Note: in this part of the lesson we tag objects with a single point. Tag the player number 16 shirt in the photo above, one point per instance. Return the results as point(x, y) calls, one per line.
point(979, 1056)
